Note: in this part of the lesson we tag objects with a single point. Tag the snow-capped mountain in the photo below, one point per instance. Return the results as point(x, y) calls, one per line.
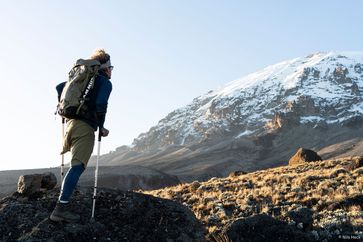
point(320, 89)
point(259, 121)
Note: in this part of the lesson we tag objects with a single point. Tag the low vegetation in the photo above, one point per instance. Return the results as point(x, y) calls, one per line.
point(323, 199)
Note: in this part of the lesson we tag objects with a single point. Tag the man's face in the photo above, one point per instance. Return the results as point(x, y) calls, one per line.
point(108, 71)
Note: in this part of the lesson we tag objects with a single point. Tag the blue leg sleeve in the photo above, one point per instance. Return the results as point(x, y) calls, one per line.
point(70, 181)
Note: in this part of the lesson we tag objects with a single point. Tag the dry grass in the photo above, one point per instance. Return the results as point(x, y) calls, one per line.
point(275, 192)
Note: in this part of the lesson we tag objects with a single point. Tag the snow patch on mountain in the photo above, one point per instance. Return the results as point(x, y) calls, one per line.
point(287, 75)
point(321, 87)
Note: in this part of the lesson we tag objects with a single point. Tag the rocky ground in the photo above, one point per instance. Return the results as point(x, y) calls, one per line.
point(119, 216)
point(316, 201)
point(128, 177)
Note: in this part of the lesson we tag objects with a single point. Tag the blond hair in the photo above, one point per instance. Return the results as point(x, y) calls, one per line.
point(100, 55)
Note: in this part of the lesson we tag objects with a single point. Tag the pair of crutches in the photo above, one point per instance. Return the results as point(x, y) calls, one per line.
point(96, 171)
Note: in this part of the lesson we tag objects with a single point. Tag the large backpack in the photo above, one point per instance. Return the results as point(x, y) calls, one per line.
point(74, 95)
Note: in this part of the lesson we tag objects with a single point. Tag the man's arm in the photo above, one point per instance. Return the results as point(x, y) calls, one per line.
point(101, 105)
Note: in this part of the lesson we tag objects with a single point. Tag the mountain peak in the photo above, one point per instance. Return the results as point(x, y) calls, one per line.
point(332, 82)
point(259, 120)
point(288, 72)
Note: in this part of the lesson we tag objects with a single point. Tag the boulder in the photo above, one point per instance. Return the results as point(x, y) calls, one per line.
point(357, 161)
point(29, 184)
point(303, 156)
point(302, 215)
point(237, 173)
point(262, 227)
point(49, 180)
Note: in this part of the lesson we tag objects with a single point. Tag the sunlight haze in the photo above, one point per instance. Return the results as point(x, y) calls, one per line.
point(165, 54)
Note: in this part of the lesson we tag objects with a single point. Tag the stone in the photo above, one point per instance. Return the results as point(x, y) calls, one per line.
point(194, 185)
point(49, 180)
point(237, 173)
point(304, 155)
point(303, 216)
point(30, 184)
point(262, 227)
point(358, 162)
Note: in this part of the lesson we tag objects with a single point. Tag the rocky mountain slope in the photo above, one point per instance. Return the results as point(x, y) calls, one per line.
point(323, 88)
point(315, 201)
point(259, 121)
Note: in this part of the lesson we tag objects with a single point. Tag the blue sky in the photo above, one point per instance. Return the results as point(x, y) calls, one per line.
point(165, 54)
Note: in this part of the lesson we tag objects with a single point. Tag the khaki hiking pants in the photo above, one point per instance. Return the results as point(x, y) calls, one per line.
point(79, 139)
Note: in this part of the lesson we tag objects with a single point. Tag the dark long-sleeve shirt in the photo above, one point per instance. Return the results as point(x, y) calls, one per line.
point(97, 100)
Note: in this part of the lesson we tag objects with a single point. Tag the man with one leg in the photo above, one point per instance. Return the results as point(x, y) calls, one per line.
point(80, 137)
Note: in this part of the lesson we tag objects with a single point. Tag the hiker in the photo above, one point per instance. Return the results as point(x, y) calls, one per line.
point(80, 137)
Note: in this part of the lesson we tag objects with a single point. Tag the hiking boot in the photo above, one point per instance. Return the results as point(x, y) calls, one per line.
point(61, 213)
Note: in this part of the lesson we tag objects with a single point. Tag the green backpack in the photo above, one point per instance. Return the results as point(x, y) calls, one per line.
point(81, 80)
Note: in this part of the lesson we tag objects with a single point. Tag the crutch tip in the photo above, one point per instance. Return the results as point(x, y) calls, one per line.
point(92, 220)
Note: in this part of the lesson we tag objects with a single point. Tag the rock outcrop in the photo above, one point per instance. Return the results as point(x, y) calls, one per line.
point(263, 228)
point(303, 156)
point(29, 184)
point(119, 216)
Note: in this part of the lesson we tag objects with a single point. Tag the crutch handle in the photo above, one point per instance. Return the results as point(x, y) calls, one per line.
point(99, 134)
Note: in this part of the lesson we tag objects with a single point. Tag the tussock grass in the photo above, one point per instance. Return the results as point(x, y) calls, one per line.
point(275, 192)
